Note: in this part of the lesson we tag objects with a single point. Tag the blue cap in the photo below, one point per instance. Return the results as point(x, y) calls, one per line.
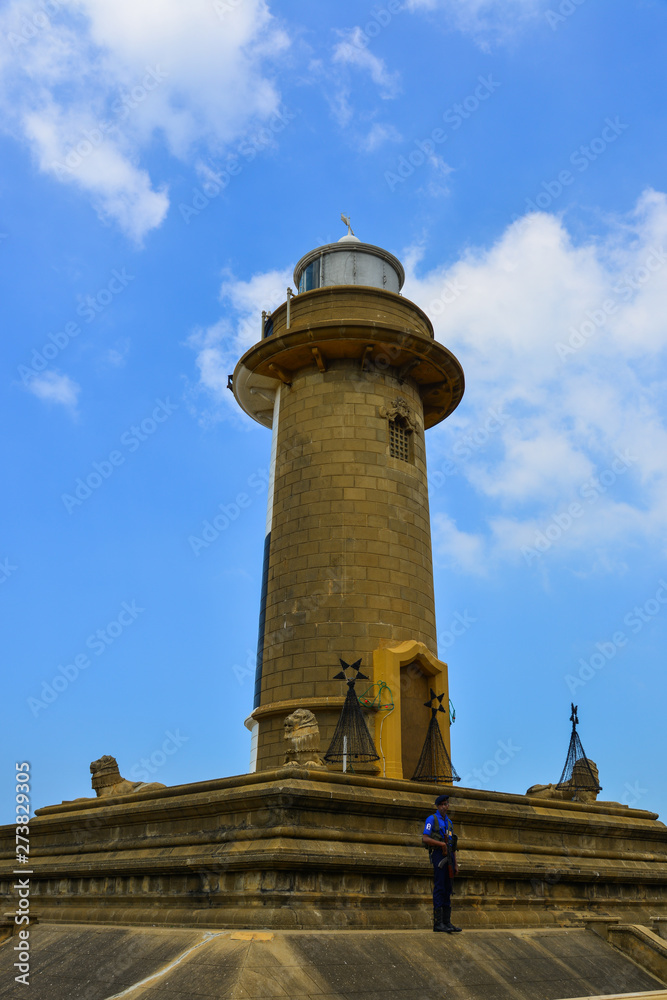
point(441, 798)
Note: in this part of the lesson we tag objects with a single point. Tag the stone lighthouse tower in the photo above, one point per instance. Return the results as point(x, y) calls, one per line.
point(349, 377)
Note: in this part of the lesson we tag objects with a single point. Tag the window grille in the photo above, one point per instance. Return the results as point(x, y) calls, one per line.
point(399, 440)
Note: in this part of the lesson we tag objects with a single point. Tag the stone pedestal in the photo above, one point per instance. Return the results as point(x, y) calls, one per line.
point(311, 849)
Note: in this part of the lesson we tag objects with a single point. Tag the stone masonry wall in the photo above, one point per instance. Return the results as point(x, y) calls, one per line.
point(350, 559)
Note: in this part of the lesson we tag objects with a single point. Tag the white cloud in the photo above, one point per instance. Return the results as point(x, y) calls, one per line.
point(55, 388)
point(458, 548)
point(346, 97)
point(546, 463)
point(213, 346)
point(93, 85)
point(116, 356)
point(220, 346)
point(118, 189)
point(378, 135)
point(352, 51)
point(436, 184)
point(566, 345)
point(485, 20)
point(543, 424)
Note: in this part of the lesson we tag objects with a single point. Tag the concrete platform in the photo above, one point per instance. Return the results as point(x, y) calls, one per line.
point(78, 962)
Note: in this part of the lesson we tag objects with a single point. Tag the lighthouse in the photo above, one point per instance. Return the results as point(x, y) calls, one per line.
point(348, 377)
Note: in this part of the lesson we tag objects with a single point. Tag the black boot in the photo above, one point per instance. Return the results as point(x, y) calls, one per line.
point(447, 924)
point(438, 922)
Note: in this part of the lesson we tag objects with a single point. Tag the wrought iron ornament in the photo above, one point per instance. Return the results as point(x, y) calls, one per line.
point(352, 742)
point(577, 772)
point(434, 762)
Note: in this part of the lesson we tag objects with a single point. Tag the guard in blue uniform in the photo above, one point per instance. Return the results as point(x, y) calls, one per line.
point(440, 839)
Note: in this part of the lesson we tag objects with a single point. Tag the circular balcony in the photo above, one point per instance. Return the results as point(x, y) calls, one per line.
point(382, 331)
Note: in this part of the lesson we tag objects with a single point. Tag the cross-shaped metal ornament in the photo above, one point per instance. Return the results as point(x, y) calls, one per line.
point(435, 698)
point(342, 676)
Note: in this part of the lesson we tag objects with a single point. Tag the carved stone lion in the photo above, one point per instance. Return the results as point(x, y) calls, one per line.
point(569, 791)
point(303, 737)
point(107, 780)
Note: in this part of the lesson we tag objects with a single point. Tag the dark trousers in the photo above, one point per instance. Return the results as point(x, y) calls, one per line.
point(442, 883)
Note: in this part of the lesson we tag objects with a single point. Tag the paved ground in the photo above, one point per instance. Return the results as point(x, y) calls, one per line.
point(76, 962)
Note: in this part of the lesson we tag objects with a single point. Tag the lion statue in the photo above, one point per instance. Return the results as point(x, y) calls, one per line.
point(577, 789)
point(106, 779)
point(303, 739)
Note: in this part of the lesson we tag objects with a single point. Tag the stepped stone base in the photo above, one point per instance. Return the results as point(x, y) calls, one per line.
point(294, 848)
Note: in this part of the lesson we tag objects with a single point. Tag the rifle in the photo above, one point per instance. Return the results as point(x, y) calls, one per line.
point(449, 845)
point(449, 850)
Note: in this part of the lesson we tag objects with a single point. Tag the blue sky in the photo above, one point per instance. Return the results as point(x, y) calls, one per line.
point(164, 167)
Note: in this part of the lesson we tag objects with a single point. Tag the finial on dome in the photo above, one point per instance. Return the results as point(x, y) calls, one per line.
point(349, 235)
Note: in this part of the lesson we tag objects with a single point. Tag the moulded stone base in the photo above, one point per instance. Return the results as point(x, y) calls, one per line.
point(311, 849)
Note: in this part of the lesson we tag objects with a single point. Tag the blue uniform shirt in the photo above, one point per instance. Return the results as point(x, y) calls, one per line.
point(445, 825)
